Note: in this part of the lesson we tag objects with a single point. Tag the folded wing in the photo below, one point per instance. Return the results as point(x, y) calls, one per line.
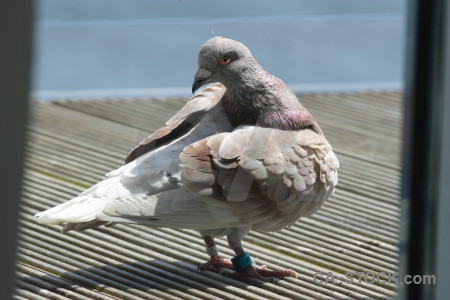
point(132, 191)
point(268, 178)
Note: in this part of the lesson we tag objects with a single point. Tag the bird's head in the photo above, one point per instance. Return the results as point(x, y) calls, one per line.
point(221, 60)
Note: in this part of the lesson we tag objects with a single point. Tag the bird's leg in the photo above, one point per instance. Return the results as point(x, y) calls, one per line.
point(243, 265)
point(215, 259)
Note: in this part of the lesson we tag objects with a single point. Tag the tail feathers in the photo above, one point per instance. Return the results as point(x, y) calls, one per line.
point(78, 210)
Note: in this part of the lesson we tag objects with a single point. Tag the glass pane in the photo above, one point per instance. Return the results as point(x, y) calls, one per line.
point(109, 73)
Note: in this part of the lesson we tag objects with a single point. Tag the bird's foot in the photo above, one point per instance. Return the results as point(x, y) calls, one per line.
point(243, 265)
point(216, 261)
point(261, 273)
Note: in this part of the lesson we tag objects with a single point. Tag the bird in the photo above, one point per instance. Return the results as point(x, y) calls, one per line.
point(242, 154)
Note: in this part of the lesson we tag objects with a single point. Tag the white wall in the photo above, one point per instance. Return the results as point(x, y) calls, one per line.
point(95, 48)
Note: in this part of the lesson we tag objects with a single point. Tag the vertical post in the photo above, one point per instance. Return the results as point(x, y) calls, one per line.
point(15, 60)
point(426, 98)
point(442, 254)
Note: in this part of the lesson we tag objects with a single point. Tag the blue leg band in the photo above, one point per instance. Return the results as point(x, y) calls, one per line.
point(240, 263)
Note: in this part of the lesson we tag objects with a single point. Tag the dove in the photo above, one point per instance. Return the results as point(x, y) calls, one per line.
point(242, 154)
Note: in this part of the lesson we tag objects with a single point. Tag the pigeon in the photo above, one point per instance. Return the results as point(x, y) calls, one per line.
point(242, 154)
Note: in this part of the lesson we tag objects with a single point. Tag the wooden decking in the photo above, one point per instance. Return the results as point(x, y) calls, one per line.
point(73, 143)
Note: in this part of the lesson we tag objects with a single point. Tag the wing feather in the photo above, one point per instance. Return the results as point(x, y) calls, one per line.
point(131, 192)
point(183, 120)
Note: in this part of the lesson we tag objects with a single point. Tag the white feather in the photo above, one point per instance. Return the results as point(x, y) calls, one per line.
point(139, 189)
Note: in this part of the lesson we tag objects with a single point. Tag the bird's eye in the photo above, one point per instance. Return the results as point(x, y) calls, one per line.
point(225, 60)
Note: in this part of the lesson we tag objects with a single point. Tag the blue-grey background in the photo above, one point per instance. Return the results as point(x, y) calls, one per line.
point(91, 48)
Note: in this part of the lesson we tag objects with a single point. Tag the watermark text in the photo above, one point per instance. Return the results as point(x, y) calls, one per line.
point(372, 278)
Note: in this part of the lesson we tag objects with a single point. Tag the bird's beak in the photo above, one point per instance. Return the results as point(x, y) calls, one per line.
point(200, 78)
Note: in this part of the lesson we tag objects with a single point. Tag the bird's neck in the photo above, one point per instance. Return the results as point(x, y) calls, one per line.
point(265, 101)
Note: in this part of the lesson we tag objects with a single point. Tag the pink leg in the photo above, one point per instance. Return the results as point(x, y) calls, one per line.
point(215, 259)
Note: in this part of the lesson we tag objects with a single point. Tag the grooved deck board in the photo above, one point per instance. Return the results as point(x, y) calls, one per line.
point(72, 144)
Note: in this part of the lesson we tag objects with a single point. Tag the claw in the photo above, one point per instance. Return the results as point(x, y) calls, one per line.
point(263, 267)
